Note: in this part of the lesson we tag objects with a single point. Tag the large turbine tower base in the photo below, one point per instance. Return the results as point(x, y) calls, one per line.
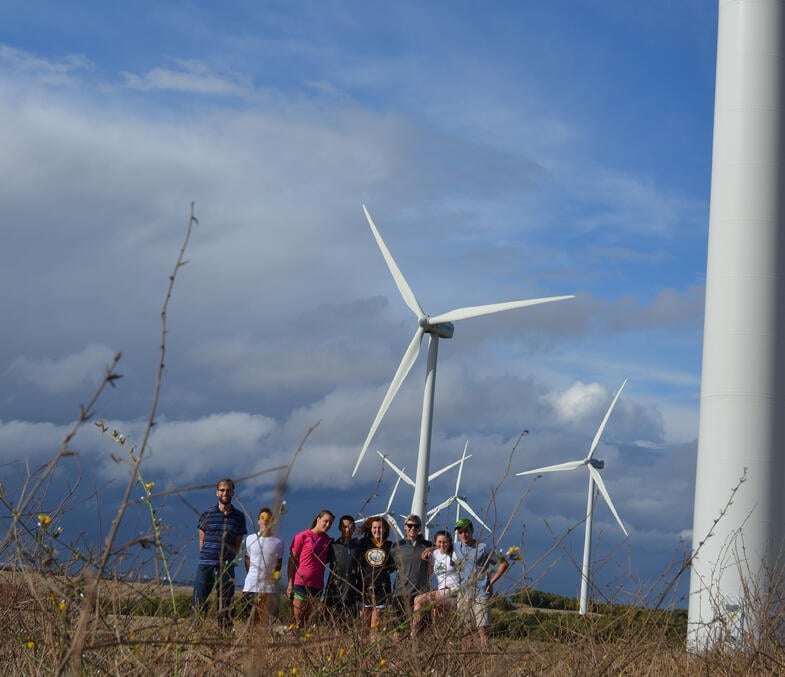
point(739, 520)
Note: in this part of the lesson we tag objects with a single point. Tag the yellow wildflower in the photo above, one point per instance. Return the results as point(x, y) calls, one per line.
point(281, 673)
point(294, 671)
point(383, 661)
point(148, 486)
point(61, 606)
point(44, 520)
point(31, 645)
point(307, 635)
point(341, 653)
point(276, 574)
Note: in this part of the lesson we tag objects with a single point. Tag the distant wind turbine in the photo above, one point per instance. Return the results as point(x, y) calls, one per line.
point(388, 514)
point(456, 498)
point(593, 465)
point(439, 326)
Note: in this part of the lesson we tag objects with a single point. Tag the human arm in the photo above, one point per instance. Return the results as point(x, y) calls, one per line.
point(201, 539)
point(497, 574)
point(294, 562)
point(290, 571)
point(426, 554)
point(278, 560)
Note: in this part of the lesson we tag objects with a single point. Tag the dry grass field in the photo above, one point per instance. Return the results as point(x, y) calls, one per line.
point(134, 629)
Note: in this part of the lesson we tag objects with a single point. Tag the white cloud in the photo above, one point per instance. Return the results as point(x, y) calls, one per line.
point(59, 375)
point(579, 401)
point(26, 439)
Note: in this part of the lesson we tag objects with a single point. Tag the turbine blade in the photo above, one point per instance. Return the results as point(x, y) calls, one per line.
point(443, 470)
point(404, 368)
point(600, 430)
point(398, 471)
point(477, 311)
point(460, 469)
point(570, 465)
point(442, 506)
point(468, 509)
point(601, 485)
point(394, 523)
point(403, 286)
point(392, 496)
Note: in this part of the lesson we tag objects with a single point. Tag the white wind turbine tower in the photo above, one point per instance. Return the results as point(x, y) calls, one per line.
point(593, 465)
point(388, 514)
point(736, 572)
point(438, 326)
point(456, 498)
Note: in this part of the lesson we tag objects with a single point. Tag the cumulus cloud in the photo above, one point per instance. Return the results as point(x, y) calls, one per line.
point(579, 401)
point(192, 449)
point(59, 375)
point(27, 439)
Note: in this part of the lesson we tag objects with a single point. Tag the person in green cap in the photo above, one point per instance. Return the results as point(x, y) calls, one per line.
point(479, 572)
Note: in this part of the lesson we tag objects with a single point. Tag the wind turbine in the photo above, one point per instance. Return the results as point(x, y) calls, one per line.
point(388, 514)
point(438, 326)
point(456, 497)
point(593, 465)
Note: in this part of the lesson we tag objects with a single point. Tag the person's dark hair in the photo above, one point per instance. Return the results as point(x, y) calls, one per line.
point(225, 480)
point(376, 518)
point(321, 514)
point(269, 511)
point(348, 518)
point(446, 534)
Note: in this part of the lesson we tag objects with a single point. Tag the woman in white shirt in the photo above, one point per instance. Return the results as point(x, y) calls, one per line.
point(263, 558)
point(442, 598)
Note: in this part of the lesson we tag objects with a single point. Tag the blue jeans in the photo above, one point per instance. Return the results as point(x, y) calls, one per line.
point(215, 576)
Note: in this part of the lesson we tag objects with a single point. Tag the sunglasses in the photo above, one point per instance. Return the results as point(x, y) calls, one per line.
point(412, 526)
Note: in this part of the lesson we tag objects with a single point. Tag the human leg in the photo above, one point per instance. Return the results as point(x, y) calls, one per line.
point(203, 585)
point(422, 603)
point(225, 599)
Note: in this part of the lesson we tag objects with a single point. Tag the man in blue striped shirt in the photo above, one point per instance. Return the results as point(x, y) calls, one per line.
point(221, 532)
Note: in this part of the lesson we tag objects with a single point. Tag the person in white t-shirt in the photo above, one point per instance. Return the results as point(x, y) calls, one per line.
point(263, 559)
point(443, 598)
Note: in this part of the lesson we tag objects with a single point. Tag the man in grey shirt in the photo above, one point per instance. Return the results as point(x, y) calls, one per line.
point(414, 575)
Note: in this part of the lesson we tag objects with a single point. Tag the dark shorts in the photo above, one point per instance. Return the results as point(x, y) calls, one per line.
point(305, 592)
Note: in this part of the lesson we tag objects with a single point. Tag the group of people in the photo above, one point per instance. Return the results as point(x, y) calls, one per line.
point(364, 575)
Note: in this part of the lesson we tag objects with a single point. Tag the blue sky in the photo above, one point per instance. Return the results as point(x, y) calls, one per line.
point(533, 149)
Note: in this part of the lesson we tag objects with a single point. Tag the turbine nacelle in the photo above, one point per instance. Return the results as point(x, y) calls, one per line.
point(443, 330)
point(596, 463)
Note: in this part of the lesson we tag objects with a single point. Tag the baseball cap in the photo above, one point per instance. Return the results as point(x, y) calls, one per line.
point(463, 523)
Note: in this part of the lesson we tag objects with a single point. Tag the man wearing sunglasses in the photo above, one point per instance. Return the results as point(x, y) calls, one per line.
point(414, 575)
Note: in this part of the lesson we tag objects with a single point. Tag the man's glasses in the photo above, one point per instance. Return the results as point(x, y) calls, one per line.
point(411, 525)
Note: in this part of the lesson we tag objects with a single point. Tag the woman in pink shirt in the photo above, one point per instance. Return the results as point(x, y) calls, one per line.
point(307, 559)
